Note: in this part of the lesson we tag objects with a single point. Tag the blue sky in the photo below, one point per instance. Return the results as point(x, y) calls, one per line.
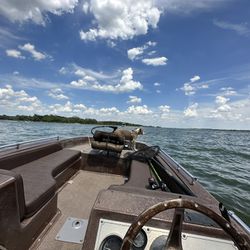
point(170, 63)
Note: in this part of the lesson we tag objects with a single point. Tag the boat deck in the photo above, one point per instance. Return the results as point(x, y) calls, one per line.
point(76, 199)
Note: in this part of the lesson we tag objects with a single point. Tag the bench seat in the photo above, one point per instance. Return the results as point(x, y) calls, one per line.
point(39, 177)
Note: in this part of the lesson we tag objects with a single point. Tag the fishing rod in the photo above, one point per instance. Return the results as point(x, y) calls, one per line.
point(161, 184)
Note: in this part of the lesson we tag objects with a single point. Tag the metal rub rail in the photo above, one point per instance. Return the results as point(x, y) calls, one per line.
point(19, 144)
point(239, 221)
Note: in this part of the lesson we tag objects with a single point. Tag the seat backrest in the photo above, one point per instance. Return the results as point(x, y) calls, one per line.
point(23, 156)
point(19, 192)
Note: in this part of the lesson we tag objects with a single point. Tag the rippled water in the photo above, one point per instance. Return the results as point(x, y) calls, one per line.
point(219, 158)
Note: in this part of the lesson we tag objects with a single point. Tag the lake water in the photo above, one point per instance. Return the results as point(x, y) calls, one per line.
point(219, 158)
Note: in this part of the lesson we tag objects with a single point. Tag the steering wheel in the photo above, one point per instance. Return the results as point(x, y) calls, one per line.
point(145, 153)
point(174, 237)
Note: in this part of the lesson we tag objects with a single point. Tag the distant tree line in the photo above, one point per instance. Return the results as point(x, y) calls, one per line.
point(62, 119)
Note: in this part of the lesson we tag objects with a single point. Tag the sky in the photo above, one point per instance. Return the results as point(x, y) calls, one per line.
point(169, 63)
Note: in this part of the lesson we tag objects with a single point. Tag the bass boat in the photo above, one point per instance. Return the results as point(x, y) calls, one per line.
point(101, 193)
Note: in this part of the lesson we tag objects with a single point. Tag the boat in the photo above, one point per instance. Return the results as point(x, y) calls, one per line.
point(98, 192)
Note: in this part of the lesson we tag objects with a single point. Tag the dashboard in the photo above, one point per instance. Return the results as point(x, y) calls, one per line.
point(110, 234)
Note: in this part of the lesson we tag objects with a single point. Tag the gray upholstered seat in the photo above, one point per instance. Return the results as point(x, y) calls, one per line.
point(38, 177)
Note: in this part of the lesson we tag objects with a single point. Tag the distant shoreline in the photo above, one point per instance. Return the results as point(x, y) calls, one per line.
point(90, 121)
point(62, 119)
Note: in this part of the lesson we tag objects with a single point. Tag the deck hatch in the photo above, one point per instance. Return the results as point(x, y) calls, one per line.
point(73, 230)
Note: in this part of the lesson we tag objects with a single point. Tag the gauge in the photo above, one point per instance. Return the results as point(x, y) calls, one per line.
point(140, 240)
point(112, 242)
point(159, 243)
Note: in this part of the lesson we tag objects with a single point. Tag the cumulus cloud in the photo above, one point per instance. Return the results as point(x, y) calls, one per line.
point(109, 111)
point(121, 19)
point(134, 99)
point(190, 88)
point(34, 53)
point(226, 111)
point(221, 100)
point(191, 111)
point(125, 84)
point(80, 109)
point(14, 53)
point(241, 29)
point(18, 100)
point(157, 84)
point(222, 103)
point(57, 94)
point(139, 110)
point(157, 61)
point(60, 108)
point(35, 11)
point(164, 108)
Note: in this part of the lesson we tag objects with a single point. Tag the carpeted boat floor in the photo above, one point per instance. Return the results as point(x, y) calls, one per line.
point(76, 200)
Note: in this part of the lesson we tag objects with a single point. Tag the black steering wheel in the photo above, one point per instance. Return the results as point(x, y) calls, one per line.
point(174, 237)
point(144, 154)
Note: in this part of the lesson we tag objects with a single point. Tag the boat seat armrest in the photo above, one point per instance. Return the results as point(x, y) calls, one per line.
point(11, 194)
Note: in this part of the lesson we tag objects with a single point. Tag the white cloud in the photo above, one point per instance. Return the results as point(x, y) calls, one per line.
point(18, 100)
point(121, 19)
point(220, 114)
point(35, 11)
point(111, 43)
point(135, 52)
point(14, 53)
point(150, 53)
point(85, 7)
point(134, 99)
point(228, 111)
point(164, 111)
point(150, 43)
point(164, 108)
point(31, 49)
point(221, 100)
point(108, 111)
point(195, 78)
point(241, 29)
point(139, 110)
point(224, 108)
point(188, 89)
point(125, 84)
point(59, 108)
point(156, 84)
point(89, 78)
point(157, 61)
point(228, 91)
point(57, 94)
point(191, 111)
